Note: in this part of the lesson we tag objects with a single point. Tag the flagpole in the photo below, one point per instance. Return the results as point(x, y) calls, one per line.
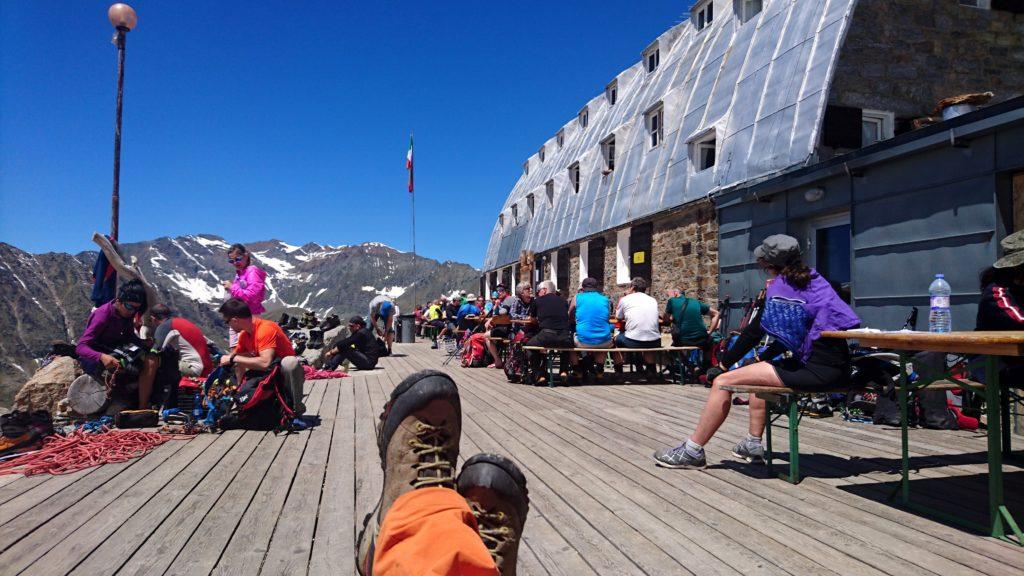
point(412, 194)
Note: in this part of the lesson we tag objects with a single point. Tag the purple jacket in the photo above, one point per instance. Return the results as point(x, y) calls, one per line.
point(249, 285)
point(821, 302)
point(104, 332)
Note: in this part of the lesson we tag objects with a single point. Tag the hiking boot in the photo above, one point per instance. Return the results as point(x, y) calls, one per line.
point(418, 440)
point(749, 449)
point(680, 457)
point(18, 434)
point(495, 490)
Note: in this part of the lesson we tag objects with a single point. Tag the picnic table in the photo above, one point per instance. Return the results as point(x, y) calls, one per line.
point(676, 352)
point(990, 346)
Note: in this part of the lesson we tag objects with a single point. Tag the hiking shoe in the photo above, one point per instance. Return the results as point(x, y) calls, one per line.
point(418, 440)
point(495, 490)
point(750, 450)
point(15, 424)
point(680, 457)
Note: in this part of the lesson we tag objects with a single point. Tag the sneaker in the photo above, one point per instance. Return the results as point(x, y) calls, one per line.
point(679, 457)
point(749, 450)
point(418, 440)
point(495, 490)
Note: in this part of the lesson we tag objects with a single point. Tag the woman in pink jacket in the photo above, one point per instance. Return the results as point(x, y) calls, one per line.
point(249, 284)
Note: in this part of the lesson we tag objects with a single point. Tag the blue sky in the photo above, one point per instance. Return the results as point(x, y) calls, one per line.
point(291, 120)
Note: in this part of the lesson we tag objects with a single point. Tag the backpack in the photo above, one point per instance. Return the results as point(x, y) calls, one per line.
point(474, 352)
point(262, 402)
point(515, 360)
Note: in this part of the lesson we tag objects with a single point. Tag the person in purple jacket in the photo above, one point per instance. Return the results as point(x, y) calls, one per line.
point(111, 325)
point(799, 305)
point(249, 284)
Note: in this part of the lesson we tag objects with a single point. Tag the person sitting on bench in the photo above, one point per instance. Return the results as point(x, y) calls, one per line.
point(552, 314)
point(451, 318)
point(360, 348)
point(640, 313)
point(502, 304)
point(686, 317)
point(590, 310)
point(800, 304)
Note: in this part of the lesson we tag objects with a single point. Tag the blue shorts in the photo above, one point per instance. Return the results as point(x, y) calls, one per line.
point(386, 309)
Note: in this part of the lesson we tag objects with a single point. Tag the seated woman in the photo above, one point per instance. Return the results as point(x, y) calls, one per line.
point(800, 304)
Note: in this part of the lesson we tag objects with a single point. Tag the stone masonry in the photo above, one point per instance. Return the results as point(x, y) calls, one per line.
point(904, 56)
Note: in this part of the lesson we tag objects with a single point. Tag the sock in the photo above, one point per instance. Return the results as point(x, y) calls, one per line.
point(754, 439)
point(693, 448)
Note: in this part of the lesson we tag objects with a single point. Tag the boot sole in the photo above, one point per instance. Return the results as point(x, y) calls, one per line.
point(499, 474)
point(365, 548)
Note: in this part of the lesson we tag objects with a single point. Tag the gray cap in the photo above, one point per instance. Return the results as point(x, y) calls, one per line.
point(778, 250)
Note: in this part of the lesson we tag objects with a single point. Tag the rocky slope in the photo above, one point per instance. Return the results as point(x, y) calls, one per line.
point(46, 296)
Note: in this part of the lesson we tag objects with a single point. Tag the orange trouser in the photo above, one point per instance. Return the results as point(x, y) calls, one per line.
point(431, 531)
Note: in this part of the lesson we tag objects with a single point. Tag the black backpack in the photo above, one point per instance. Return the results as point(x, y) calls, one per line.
point(262, 402)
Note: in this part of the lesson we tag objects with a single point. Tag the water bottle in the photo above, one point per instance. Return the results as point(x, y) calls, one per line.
point(939, 319)
point(197, 407)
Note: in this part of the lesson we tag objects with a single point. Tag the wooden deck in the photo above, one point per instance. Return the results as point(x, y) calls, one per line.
point(248, 502)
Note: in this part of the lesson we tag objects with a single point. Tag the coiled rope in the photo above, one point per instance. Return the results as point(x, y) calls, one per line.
point(81, 449)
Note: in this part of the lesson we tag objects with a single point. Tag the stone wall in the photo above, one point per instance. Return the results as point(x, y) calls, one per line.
point(684, 254)
point(906, 55)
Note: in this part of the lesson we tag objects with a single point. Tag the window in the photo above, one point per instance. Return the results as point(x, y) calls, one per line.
point(562, 271)
point(611, 92)
point(506, 276)
point(875, 126)
point(983, 4)
point(515, 215)
point(574, 176)
point(549, 191)
point(529, 204)
point(526, 167)
point(652, 57)
point(608, 152)
point(584, 117)
point(703, 151)
point(553, 268)
point(747, 9)
point(702, 14)
point(656, 125)
point(540, 153)
point(560, 138)
point(583, 260)
point(501, 222)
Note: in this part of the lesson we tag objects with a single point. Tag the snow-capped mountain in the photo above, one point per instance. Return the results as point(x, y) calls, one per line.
point(44, 297)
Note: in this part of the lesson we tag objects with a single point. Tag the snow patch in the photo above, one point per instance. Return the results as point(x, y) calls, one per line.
point(19, 368)
point(210, 242)
point(320, 291)
point(282, 267)
point(288, 247)
point(368, 289)
point(394, 291)
point(197, 289)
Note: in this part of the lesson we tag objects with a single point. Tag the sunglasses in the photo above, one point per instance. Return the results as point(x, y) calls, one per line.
point(131, 306)
point(236, 260)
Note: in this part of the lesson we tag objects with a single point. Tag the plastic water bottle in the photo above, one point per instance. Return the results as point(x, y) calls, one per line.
point(939, 319)
point(197, 407)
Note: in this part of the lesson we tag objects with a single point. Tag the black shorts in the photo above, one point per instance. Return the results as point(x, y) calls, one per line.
point(622, 341)
point(499, 332)
point(828, 367)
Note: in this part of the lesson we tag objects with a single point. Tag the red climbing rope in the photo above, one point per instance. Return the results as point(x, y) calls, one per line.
point(81, 449)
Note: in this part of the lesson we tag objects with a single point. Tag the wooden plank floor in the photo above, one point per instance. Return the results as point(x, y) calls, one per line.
point(253, 502)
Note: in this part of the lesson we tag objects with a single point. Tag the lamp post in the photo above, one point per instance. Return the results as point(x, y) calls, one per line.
point(123, 18)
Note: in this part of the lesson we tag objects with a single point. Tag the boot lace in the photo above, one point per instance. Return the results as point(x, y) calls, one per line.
point(433, 469)
point(492, 527)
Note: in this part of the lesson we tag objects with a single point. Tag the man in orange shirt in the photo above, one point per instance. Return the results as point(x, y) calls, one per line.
point(260, 342)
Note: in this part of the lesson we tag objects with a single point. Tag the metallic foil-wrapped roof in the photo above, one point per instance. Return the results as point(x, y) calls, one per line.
point(758, 87)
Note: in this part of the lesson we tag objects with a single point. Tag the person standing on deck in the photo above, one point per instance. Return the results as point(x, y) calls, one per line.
point(382, 309)
point(249, 284)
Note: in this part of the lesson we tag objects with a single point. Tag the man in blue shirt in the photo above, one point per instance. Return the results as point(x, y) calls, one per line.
point(470, 308)
point(591, 310)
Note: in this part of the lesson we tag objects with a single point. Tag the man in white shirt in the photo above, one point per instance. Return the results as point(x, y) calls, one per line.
point(640, 313)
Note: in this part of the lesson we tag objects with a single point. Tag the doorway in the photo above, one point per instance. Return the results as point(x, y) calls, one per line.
point(828, 249)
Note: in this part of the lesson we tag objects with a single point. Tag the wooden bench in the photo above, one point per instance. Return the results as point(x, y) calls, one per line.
point(788, 400)
point(675, 351)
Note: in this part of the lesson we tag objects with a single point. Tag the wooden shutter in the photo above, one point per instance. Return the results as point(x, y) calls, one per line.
point(563, 271)
point(595, 259)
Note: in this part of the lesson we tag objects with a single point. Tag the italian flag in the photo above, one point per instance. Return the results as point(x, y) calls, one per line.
point(408, 163)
